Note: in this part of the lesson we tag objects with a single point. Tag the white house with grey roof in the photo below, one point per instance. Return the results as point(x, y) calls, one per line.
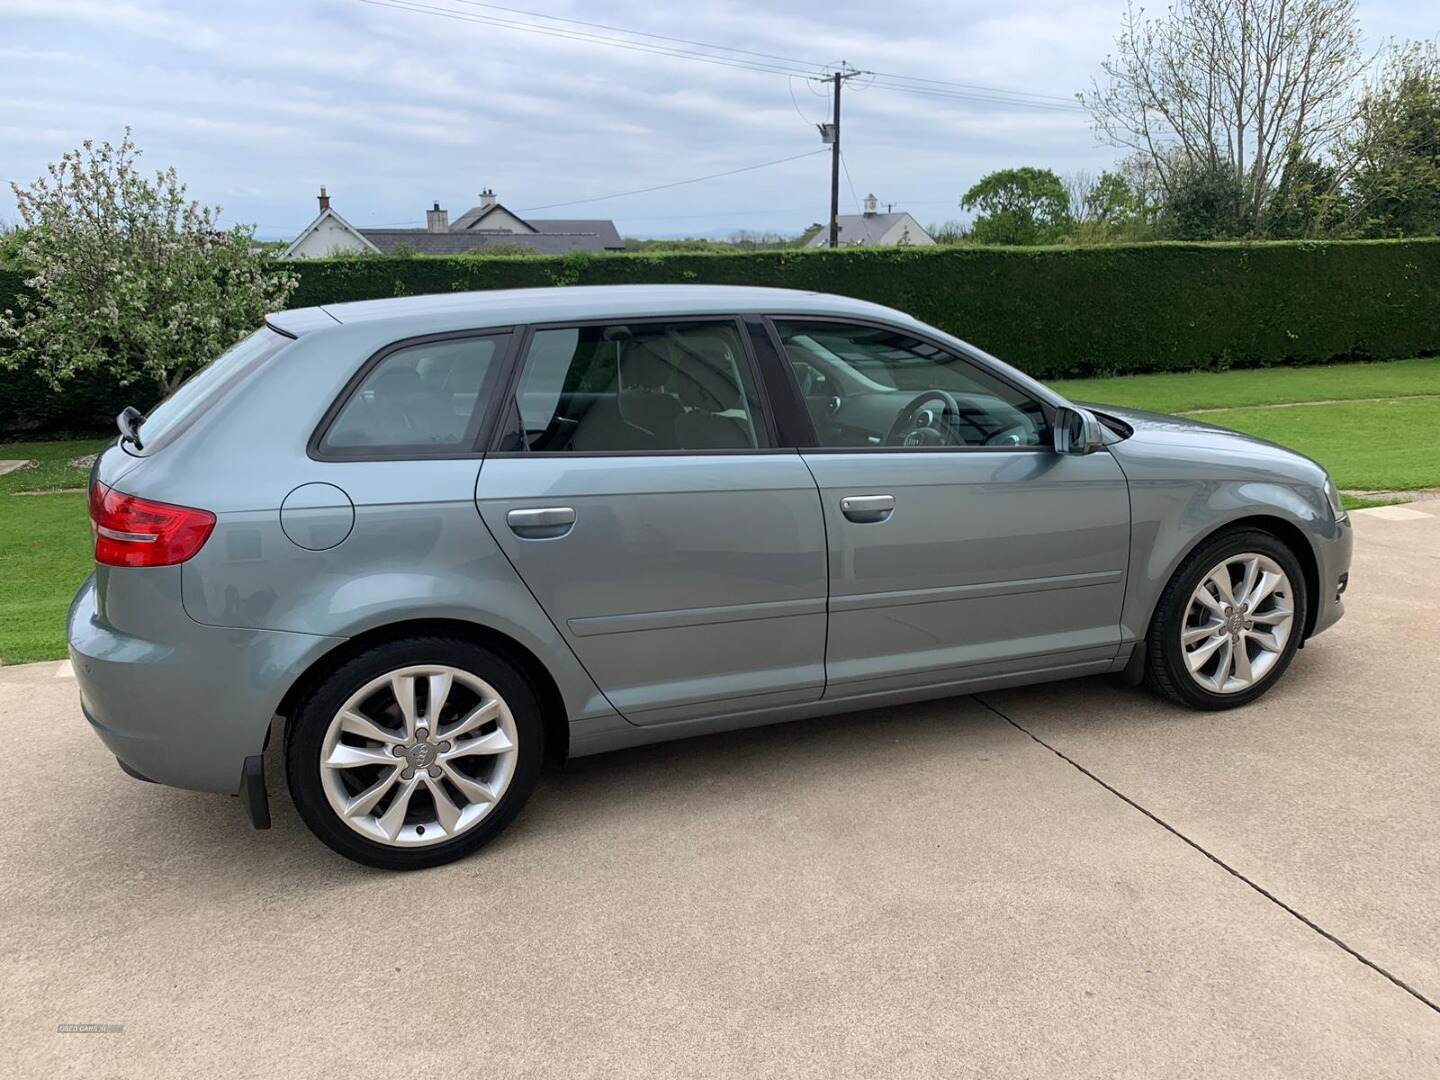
point(488, 225)
point(872, 229)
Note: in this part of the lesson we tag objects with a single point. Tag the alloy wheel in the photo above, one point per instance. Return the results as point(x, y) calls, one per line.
point(419, 755)
point(1237, 623)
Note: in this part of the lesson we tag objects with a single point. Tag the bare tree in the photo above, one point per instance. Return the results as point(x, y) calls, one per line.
point(1080, 186)
point(1243, 85)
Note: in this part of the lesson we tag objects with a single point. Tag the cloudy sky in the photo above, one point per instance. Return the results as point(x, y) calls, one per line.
point(259, 103)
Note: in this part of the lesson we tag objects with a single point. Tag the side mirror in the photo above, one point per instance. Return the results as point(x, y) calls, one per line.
point(1077, 431)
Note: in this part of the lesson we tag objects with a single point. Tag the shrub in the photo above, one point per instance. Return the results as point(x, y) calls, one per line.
point(127, 281)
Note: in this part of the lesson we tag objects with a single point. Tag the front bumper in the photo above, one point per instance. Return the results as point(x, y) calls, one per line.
point(1332, 564)
point(177, 702)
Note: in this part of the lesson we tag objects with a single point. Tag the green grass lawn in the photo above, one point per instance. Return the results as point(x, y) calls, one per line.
point(52, 468)
point(45, 553)
point(1367, 445)
point(1391, 444)
point(1260, 386)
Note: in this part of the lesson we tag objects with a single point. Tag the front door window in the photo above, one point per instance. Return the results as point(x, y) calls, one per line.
point(872, 386)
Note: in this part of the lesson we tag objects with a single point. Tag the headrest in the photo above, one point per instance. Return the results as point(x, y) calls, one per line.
point(397, 382)
point(642, 365)
point(707, 379)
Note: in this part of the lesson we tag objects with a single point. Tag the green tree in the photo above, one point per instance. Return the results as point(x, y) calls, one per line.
point(10, 240)
point(1307, 202)
point(127, 277)
point(1205, 202)
point(1019, 206)
point(1116, 205)
point(1111, 199)
point(1395, 146)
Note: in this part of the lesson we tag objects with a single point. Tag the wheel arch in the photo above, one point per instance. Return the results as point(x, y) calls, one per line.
point(1284, 530)
point(552, 703)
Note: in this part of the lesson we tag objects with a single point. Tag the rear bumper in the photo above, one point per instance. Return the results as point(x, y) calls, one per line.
point(184, 704)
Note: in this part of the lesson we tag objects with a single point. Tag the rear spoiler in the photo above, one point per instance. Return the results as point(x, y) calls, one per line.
point(299, 321)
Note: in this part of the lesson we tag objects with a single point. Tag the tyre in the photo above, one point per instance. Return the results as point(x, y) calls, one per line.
point(415, 753)
point(1229, 622)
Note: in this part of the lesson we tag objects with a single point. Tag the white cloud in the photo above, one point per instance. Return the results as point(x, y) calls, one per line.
point(257, 104)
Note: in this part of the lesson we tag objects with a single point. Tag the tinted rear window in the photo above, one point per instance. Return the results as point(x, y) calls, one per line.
point(420, 399)
point(207, 385)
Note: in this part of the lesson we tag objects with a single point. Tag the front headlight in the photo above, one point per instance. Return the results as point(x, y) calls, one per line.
point(1333, 494)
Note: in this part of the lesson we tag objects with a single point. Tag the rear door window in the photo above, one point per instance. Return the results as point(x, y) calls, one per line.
point(647, 387)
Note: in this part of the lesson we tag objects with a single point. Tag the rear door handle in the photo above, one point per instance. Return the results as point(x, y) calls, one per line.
point(868, 509)
point(541, 523)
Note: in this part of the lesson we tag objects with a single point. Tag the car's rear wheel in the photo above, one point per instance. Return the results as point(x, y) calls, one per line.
point(1229, 622)
point(415, 753)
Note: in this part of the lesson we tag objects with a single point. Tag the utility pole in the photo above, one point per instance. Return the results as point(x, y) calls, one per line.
point(835, 167)
point(830, 133)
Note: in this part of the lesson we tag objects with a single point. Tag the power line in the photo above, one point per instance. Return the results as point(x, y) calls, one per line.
point(972, 87)
point(843, 165)
point(790, 86)
point(639, 33)
point(674, 184)
point(743, 59)
point(595, 33)
point(988, 99)
point(731, 212)
point(592, 39)
point(788, 60)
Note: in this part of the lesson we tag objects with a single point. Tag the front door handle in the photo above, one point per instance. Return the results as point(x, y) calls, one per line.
point(541, 523)
point(868, 509)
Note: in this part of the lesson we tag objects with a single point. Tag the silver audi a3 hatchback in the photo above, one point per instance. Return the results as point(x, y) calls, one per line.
point(431, 542)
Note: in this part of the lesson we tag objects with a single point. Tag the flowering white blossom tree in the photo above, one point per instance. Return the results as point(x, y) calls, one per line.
point(128, 278)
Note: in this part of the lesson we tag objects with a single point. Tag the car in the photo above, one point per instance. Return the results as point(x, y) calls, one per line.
point(435, 542)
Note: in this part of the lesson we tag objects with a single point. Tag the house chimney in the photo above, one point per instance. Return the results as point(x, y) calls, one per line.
point(487, 199)
point(870, 203)
point(437, 220)
point(324, 199)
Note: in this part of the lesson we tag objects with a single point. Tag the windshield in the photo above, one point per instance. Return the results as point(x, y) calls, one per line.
point(196, 393)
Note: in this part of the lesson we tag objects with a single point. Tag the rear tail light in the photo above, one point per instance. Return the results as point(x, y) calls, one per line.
point(138, 532)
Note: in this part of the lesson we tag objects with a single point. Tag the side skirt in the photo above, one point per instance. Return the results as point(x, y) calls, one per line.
point(604, 734)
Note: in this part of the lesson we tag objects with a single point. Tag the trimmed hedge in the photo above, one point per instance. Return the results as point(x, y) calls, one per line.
point(29, 406)
point(1060, 311)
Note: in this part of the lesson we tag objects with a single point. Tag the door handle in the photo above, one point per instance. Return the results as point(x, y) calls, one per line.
point(541, 523)
point(868, 509)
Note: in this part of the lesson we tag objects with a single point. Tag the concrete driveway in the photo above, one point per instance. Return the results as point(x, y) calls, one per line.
point(1072, 880)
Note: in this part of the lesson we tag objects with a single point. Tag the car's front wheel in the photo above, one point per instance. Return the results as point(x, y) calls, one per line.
point(1229, 621)
point(415, 753)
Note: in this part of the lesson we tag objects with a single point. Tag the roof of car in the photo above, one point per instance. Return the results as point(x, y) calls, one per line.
point(502, 307)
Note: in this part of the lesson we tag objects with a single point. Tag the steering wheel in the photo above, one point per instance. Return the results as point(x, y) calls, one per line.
point(913, 429)
point(1018, 435)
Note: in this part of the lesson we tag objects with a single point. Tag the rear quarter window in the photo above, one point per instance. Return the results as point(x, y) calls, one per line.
point(419, 399)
